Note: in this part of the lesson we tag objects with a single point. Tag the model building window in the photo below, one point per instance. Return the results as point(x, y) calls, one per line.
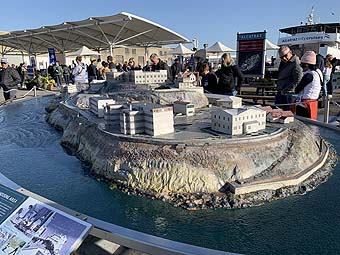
point(161, 53)
point(134, 51)
point(127, 50)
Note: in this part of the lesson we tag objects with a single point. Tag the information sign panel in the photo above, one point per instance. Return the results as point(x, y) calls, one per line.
point(29, 226)
point(251, 53)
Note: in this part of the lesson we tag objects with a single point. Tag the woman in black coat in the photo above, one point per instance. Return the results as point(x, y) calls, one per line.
point(229, 76)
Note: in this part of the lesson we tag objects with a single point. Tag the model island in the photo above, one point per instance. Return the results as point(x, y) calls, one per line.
point(171, 143)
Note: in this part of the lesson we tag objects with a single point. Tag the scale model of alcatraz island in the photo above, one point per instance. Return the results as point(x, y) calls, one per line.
point(169, 142)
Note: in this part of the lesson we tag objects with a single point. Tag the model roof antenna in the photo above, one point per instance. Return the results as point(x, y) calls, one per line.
point(310, 20)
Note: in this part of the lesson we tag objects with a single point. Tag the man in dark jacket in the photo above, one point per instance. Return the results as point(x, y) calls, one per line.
point(158, 64)
point(289, 75)
point(176, 68)
point(92, 70)
point(9, 79)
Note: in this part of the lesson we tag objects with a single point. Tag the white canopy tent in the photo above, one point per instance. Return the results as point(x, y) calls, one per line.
point(271, 46)
point(181, 50)
point(95, 33)
point(83, 51)
point(219, 47)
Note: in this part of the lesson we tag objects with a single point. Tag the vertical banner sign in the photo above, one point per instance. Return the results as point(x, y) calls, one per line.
point(251, 49)
point(33, 62)
point(51, 56)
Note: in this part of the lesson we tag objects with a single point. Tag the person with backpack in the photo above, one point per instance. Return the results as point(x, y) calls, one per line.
point(67, 74)
point(58, 73)
point(229, 76)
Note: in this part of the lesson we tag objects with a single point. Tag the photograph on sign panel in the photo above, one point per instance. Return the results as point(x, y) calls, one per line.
point(4, 236)
point(30, 218)
point(59, 237)
point(13, 246)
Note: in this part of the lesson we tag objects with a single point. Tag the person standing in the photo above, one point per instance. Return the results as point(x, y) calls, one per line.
point(176, 68)
point(22, 70)
point(208, 79)
point(79, 72)
point(92, 70)
point(9, 79)
point(229, 76)
point(327, 73)
point(66, 73)
point(110, 62)
point(334, 63)
point(289, 75)
point(58, 73)
point(309, 87)
point(132, 65)
point(158, 64)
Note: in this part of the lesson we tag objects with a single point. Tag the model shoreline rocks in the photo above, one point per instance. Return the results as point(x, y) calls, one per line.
point(197, 172)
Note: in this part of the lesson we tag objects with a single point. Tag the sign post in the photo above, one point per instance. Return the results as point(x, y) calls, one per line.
point(51, 55)
point(251, 48)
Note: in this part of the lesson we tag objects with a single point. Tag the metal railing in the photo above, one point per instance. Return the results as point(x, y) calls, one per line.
point(34, 90)
point(122, 236)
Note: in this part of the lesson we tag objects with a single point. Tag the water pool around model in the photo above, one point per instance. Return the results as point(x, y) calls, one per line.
point(31, 156)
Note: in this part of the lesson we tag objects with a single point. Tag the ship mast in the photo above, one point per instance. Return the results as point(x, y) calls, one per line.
point(310, 20)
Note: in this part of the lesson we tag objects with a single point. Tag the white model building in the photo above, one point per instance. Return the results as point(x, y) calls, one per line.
point(71, 89)
point(159, 120)
point(229, 102)
point(132, 122)
point(138, 77)
point(112, 115)
point(186, 80)
point(238, 121)
point(152, 119)
point(185, 108)
point(278, 115)
point(97, 105)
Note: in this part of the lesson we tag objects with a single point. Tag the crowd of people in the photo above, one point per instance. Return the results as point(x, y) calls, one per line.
point(299, 84)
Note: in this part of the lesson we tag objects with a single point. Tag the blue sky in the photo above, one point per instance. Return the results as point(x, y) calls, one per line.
point(209, 21)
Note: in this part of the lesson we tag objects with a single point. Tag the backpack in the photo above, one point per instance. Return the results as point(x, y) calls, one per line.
point(226, 79)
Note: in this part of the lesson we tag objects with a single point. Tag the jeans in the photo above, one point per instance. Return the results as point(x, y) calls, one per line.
point(326, 79)
point(58, 80)
point(283, 101)
point(67, 79)
point(232, 93)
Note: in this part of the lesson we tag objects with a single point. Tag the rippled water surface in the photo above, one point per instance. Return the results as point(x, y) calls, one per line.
point(30, 155)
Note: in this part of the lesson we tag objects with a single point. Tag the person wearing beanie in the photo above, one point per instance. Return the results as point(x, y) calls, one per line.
point(309, 87)
point(289, 75)
point(9, 79)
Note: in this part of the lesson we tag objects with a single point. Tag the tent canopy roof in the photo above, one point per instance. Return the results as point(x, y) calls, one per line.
point(219, 47)
point(95, 33)
point(181, 50)
point(271, 46)
point(83, 51)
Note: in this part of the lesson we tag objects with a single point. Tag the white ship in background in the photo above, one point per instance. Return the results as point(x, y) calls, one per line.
point(323, 38)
